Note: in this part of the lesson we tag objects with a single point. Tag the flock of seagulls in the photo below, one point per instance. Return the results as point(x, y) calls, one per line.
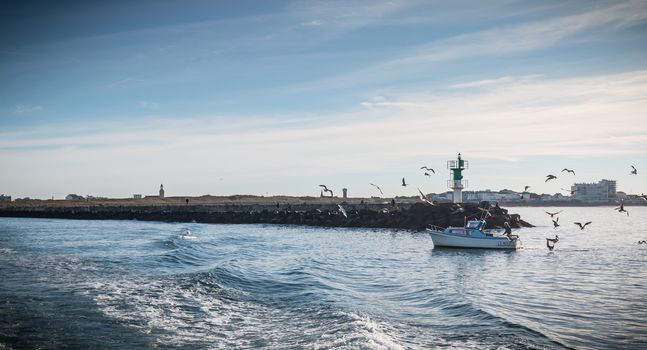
point(457, 208)
point(550, 242)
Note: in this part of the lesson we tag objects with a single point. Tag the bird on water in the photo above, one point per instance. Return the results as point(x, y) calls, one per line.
point(550, 242)
point(621, 208)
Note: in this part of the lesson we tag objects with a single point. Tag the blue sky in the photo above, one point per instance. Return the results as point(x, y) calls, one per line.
point(259, 97)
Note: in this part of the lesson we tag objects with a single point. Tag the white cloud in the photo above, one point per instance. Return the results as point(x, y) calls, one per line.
point(24, 109)
point(148, 105)
point(583, 117)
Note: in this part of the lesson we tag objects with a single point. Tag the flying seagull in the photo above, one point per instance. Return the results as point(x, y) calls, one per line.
point(553, 214)
point(582, 226)
point(642, 242)
point(555, 224)
point(621, 208)
point(550, 177)
point(404, 183)
point(571, 191)
point(342, 210)
point(634, 171)
point(424, 198)
point(569, 171)
point(378, 188)
point(457, 209)
point(486, 212)
point(326, 189)
point(427, 168)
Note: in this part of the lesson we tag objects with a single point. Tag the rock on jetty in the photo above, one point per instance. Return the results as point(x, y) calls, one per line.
point(415, 216)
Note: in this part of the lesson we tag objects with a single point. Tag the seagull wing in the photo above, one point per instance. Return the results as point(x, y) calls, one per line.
point(342, 210)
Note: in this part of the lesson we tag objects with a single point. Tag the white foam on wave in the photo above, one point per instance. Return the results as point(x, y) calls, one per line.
point(365, 333)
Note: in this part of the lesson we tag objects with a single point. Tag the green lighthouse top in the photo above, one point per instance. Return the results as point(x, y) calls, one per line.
point(457, 167)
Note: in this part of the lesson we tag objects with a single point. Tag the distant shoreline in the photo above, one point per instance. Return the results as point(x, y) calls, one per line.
point(273, 200)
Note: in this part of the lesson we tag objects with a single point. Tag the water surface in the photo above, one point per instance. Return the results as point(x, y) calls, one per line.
point(130, 284)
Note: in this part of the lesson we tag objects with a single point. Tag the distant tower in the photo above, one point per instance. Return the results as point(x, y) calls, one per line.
point(345, 191)
point(161, 191)
point(457, 183)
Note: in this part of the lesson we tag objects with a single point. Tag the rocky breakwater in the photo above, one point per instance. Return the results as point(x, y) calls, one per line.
point(415, 216)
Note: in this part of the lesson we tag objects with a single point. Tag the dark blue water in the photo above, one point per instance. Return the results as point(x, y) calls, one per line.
point(129, 284)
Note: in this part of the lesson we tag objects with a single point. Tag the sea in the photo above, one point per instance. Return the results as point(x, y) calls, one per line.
point(74, 284)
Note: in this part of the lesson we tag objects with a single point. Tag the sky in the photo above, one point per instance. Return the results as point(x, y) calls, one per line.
point(112, 98)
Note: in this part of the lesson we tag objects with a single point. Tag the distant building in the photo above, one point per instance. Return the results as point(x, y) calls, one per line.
point(161, 191)
point(137, 196)
point(4, 198)
point(344, 192)
point(603, 191)
point(74, 197)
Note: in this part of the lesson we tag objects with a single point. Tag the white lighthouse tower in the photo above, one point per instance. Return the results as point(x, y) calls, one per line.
point(457, 183)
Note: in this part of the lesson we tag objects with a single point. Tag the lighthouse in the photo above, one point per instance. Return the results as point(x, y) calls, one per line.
point(457, 183)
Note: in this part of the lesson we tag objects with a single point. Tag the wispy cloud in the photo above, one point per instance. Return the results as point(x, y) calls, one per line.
point(148, 105)
point(25, 109)
point(494, 42)
point(124, 82)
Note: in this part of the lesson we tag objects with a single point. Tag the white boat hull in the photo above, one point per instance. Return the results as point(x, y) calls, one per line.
point(442, 239)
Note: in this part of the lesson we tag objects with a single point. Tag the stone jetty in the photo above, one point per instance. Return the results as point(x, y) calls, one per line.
point(412, 216)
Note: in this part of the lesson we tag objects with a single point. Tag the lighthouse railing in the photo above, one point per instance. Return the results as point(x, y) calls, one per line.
point(453, 164)
point(451, 183)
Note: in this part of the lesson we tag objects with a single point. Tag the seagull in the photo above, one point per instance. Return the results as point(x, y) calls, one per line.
point(569, 170)
point(429, 169)
point(642, 242)
point(621, 208)
point(553, 214)
point(582, 226)
point(571, 191)
point(424, 198)
point(550, 177)
point(326, 189)
point(457, 209)
point(634, 171)
point(427, 174)
point(555, 224)
point(550, 242)
point(643, 196)
point(404, 183)
point(525, 189)
point(485, 211)
point(342, 210)
point(378, 188)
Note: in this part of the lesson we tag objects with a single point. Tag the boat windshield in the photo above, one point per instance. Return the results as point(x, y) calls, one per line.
point(475, 224)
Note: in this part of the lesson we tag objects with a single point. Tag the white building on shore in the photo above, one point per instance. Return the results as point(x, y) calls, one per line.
point(603, 191)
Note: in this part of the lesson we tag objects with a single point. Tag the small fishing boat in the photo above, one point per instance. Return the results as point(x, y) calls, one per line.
point(471, 236)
